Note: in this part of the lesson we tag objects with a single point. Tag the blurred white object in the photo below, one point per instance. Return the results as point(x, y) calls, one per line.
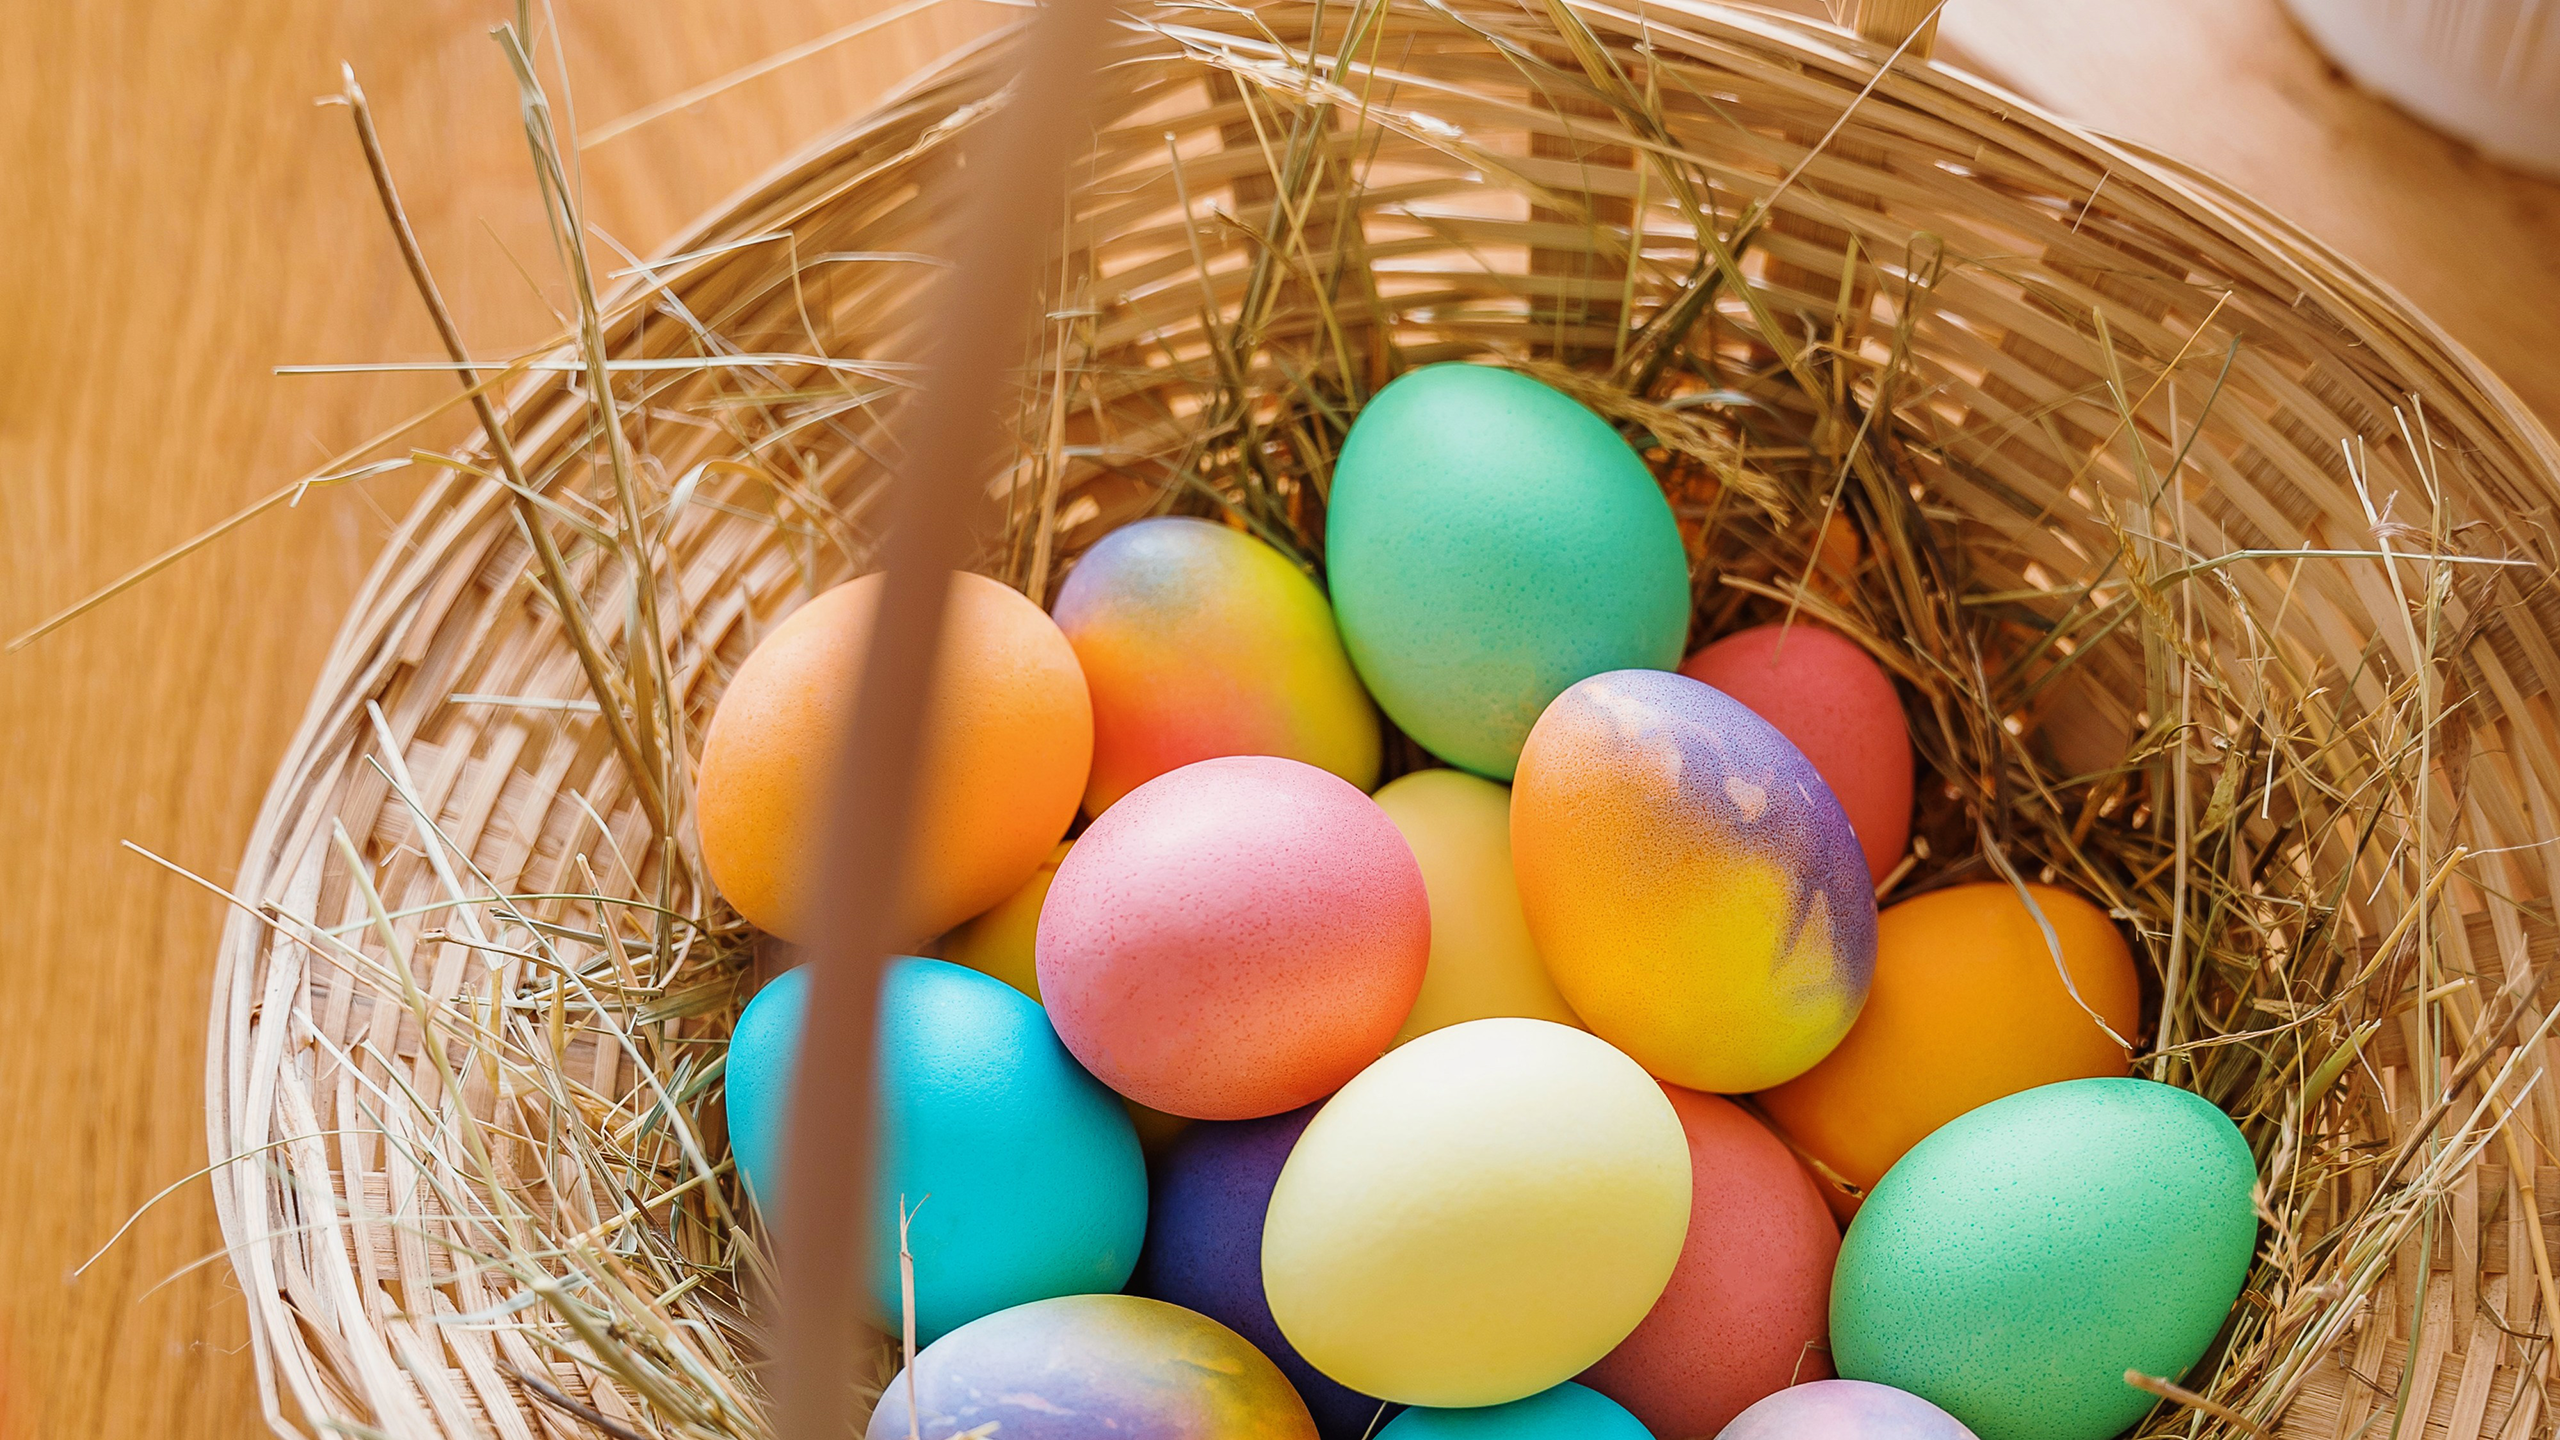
point(2487, 71)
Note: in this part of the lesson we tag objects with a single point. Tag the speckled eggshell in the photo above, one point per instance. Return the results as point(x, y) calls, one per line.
point(1234, 939)
point(2016, 1263)
point(1489, 542)
point(1021, 1171)
point(1690, 881)
point(1204, 1249)
point(1567, 1412)
point(1482, 962)
point(1200, 641)
point(1844, 1410)
point(1966, 1007)
point(1480, 1215)
point(1094, 1367)
point(1008, 742)
point(1748, 1307)
point(1836, 703)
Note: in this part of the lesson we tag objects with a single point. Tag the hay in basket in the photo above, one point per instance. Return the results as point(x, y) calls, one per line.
point(2219, 586)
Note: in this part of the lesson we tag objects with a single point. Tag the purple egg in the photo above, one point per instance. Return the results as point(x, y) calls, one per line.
point(1204, 1249)
point(1844, 1410)
point(1093, 1367)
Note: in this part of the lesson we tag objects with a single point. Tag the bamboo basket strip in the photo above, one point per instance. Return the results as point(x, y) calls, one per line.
point(466, 1033)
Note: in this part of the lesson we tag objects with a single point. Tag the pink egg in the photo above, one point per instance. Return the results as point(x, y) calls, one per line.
point(1839, 707)
point(1844, 1410)
point(1234, 938)
point(1747, 1312)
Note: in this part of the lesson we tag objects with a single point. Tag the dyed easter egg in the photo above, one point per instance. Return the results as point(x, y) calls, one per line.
point(1020, 1172)
point(1966, 1007)
point(1200, 641)
point(1204, 1249)
point(2016, 1263)
point(1690, 881)
point(1482, 964)
point(1093, 1367)
point(1478, 1216)
point(1748, 1305)
point(1234, 939)
point(1826, 694)
point(1490, 542)
point(1844, 1410)
point(1567, 1412)
point(1008, 740)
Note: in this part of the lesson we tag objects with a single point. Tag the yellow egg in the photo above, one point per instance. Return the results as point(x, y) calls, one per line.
point(999, 942)
point(1482, 962)
point(1479, 1215)
point(1008, 740)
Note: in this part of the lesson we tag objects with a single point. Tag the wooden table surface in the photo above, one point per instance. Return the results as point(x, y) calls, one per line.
point(182, 218)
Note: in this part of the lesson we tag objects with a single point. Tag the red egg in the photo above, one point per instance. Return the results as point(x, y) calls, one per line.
point(1234, 938)
point(1747, 1312)
point(1839, 707)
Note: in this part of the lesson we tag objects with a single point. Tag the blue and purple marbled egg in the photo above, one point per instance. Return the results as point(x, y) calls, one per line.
point(1691, 882)
point(1204, 1249)
point(1095, 1367)
point(1844, 1410)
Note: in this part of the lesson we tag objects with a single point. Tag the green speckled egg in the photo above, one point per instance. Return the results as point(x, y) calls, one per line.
point(2017, 1262)
point(1490, 542)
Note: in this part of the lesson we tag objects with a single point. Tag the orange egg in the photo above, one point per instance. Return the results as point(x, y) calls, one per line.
point(1966, 1007)
point(1009, 738)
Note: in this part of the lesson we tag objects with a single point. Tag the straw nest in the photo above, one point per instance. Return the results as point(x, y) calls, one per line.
point(2218, 583)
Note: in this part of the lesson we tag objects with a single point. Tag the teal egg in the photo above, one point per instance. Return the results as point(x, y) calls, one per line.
point(1021, 1173)
point(2017, 1262)
point(1567, 1412)
point(1490, 542)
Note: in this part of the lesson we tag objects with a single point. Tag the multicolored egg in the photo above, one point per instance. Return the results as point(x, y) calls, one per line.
point(1567, 1412)
point(1690, 882)
point(1482, 964)
point(1490, 542)
point(1204, 1250)
point(1093, 1367)
point(1967, 1006)
point(1836, 703)
point(1008, 742)
point(1003, 942)
point(1479, 1216)
point(1200, 641)
point(2016, 1263)
point(1020, 1172)
point(1234, 939)
point(1748, 1308)
point(1844, 1410)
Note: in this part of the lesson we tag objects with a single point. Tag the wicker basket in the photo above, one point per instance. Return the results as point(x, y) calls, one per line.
point(384, 1258)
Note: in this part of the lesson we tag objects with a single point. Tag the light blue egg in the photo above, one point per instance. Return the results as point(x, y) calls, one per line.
point(1490, 542)
point(1567, 1412)
point(1021, 1173)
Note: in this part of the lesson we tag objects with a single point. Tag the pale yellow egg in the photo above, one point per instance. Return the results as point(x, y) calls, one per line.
point(1483, 964)
point(1479, 1215)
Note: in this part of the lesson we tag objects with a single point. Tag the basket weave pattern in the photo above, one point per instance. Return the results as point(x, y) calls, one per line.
point(1476, 163)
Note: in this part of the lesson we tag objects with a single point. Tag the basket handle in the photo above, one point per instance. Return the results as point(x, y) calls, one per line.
point(1890, 22)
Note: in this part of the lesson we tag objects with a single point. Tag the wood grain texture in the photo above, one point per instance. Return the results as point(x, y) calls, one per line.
point(181, 219)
